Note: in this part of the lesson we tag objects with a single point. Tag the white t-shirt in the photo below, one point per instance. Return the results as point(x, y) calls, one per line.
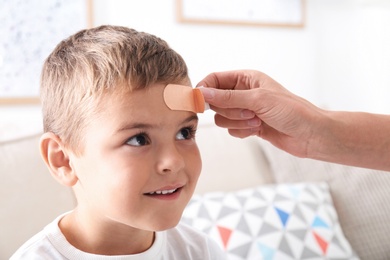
point(181, 243)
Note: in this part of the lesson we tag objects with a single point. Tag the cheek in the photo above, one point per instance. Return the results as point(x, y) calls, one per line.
point(118, 178)
point(194, 162)
point(121, 190)
point(127, 175)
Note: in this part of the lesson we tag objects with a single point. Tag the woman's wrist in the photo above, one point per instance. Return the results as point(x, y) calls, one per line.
point(352, 138)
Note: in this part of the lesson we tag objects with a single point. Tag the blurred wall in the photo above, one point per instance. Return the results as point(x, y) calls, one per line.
point(340, 60)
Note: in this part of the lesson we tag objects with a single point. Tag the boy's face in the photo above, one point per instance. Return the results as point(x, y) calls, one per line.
point(137, 150)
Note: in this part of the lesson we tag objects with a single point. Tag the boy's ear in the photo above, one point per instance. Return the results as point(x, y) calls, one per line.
point(57, 159)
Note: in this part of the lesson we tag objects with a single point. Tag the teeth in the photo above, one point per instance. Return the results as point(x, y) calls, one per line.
point(163, 192)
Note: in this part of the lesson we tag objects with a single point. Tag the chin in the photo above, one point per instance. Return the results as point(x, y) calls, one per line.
point(167, 223)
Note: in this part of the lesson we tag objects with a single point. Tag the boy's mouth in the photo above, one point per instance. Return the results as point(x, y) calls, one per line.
point(162, 192)
point(167, 192)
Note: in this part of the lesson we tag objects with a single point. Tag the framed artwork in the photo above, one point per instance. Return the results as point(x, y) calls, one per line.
point(279, 13)
point(30, 29)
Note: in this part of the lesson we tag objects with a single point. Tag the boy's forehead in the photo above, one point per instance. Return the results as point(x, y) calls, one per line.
point(142, 107)
point(148, 99)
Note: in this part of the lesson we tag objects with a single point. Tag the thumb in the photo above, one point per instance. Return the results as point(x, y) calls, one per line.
point(228, 98)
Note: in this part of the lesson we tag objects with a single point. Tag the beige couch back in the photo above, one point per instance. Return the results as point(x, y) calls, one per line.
point(230, 163)
point(29, 197)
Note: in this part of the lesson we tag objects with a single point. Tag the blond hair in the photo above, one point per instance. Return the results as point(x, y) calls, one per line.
point(100, 60)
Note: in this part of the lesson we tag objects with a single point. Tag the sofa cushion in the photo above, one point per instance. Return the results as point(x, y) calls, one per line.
point(361, 197)
point(286, 221)
point(29, 197)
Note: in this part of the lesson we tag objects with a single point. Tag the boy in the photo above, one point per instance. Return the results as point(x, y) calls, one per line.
point(132, 162)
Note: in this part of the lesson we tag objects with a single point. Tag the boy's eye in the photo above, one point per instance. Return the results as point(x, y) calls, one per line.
point(185, 133)
point(138, 140)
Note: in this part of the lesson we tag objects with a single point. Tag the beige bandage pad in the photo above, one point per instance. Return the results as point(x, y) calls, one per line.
point(180, 97)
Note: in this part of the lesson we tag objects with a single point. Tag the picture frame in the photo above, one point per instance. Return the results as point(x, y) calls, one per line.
point(265, 13)
point(33, 28)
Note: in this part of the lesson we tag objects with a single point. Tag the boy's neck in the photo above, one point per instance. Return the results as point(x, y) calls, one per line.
point(96, 237)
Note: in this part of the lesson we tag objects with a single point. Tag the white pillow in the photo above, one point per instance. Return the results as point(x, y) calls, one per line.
point(285, 221)
point(361, 197)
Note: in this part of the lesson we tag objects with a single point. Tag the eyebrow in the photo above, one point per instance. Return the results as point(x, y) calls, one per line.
point(148, 126)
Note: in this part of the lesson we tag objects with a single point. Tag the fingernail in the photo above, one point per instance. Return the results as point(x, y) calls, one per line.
point(208, 93)
point(247, 114)
point(254, 122)
point(255, 131)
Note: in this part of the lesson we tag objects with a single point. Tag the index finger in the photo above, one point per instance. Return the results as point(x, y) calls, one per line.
point(237, 79)
point(228, 98)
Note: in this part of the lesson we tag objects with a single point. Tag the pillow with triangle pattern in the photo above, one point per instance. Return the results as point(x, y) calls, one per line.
point(281, 222)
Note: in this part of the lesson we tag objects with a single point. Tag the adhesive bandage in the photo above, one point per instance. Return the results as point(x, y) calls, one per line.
point(180, 97)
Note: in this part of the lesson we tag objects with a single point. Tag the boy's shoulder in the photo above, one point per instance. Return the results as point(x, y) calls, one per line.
point(39, 246)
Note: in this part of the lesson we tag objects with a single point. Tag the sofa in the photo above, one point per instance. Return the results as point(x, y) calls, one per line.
point(246, 186)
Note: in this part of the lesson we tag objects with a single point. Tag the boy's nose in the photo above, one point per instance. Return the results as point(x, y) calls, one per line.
point(170, 160)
